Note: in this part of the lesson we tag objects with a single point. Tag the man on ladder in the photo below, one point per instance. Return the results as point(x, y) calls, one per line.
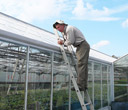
point(73, 36)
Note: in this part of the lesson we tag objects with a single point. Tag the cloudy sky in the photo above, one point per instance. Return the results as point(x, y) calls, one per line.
point(103, 22)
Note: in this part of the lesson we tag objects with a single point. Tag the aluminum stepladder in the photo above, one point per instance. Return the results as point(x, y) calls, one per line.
point(72, 77)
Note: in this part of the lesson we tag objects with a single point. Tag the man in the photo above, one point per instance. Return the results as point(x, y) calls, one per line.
point(73, 36)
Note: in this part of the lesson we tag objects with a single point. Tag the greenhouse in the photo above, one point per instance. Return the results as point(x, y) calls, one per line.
point(121, 79)
point(34, 76)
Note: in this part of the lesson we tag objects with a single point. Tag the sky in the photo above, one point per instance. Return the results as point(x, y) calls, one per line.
point(104, 23)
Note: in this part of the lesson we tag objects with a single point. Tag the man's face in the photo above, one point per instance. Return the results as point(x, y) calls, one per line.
point(60, 27)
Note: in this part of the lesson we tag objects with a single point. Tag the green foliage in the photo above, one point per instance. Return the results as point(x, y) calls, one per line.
point(12, 102)
point(60, 97)
point(41, 98)
point(123, 81)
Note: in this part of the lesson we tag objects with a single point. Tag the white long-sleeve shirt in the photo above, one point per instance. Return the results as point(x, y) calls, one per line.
point(72, 36)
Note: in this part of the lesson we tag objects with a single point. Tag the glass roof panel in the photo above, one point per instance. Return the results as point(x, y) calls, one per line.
point(121, 65)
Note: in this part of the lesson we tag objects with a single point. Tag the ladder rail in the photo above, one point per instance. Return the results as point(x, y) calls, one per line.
point(72, 54)
point(73, 79)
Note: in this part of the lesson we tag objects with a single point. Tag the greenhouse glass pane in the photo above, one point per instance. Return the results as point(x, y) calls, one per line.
point(121, 79)
point(97, 85)
point(90, 79)
point(39, 80)
point(121, 68)
point(12, 76)
point(121, 93)
point(60, 84)
point(109, 85)
point(104, 85)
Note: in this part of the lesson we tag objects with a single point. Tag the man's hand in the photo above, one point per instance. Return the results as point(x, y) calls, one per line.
point(61, 42)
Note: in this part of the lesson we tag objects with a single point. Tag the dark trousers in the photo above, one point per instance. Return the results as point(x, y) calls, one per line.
point(82, 54)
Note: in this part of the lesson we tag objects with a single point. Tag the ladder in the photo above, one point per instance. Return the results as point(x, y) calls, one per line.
point(78, 92)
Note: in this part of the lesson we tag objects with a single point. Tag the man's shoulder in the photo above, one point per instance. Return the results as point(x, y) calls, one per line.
point(69, 27)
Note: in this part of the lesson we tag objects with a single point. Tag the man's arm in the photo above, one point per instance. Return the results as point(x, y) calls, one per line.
point(70, 36)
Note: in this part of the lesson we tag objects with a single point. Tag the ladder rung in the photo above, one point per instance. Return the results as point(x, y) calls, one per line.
point(87, 104)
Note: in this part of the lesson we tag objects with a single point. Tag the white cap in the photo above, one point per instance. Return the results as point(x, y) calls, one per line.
point(58, 22)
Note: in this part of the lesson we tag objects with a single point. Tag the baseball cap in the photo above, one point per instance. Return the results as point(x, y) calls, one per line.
point(58, 22)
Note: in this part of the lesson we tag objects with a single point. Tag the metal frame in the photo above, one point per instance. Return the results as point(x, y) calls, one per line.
point(52, 66)
point(101, 85)
point(26, 81)
point(112, 83)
